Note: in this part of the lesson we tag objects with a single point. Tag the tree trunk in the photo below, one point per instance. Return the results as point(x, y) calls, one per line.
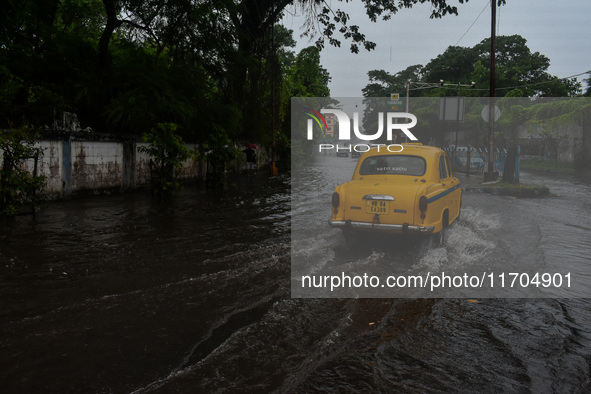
point(509, 170)
point(112, 23)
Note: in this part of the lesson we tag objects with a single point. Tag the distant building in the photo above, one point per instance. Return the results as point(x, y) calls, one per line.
point(330, 122)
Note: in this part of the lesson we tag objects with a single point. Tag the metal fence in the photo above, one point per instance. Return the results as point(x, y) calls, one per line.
point(473, 160)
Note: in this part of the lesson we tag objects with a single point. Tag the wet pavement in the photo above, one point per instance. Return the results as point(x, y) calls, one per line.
point(126, 293)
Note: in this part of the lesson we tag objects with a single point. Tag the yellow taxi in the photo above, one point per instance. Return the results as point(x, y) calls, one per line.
point(401, 189)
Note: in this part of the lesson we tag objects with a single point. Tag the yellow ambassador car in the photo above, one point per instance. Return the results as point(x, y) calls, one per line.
point(411, 191)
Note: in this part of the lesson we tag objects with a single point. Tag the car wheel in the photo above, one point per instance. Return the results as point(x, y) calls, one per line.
point(352, 239)
point(441, 236)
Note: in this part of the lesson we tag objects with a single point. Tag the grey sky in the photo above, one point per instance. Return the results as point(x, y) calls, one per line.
point(557, 29)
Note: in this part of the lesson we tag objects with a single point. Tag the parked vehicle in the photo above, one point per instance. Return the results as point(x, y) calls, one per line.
point(343, 150)
point(408, 192)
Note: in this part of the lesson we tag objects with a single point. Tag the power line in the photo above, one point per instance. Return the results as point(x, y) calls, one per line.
point(425, 85)
point(545, 82)
point(485, 7)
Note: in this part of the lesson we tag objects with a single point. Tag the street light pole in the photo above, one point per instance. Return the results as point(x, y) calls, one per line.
point(408, 82)
point(427, 85)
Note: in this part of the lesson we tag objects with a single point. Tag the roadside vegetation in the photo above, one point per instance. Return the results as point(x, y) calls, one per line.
point(20, 186)
point(167, 153)
point(565, 168)
point(519, 190)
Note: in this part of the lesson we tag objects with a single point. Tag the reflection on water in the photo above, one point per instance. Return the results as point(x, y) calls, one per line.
point(125, 293)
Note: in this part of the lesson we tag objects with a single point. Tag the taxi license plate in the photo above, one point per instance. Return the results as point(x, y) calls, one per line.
point(379, 207)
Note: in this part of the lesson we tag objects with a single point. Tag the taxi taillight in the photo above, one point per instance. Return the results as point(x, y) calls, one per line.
point(423, 206)
point(336, 201)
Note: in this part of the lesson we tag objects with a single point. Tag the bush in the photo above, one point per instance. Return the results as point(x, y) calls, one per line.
point(19, 187)
point(167, 152)
point(218, 150)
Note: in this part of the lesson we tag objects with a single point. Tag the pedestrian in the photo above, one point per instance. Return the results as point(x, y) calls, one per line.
point(251, 159)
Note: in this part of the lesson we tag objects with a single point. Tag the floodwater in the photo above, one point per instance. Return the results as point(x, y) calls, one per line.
point(125, 293)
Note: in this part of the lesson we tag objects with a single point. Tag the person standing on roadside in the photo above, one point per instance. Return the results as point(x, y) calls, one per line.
point(251, 159)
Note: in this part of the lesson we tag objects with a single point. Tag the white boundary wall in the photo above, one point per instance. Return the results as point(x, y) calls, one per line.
point(74, 167)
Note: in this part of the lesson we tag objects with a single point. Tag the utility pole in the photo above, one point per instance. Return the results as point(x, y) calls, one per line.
point(273, 57)
point(489, 176)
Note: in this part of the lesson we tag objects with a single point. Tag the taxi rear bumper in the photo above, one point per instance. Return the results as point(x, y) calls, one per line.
point(365, 226)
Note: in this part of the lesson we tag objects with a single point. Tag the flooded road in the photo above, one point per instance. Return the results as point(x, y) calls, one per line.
point(124, 293)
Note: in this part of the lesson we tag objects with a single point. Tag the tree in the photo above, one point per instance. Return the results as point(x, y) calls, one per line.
point(126, 65)
point(518, 67)
point(588, 91)
point(452, 66)
point(381, 83)
point(326, 20)
point(252, 21)
point(519, 73)
point(45, 52)
point(308, 78)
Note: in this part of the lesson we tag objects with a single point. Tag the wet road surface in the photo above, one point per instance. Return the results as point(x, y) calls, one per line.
point(125, 294)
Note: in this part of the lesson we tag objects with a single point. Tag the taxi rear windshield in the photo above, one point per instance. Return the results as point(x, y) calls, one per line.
point(393, 165)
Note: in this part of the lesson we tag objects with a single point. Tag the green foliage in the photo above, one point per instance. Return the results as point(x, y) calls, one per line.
point(552, 166)
point(308, 77)
point(10, 87)
point(327, 19)
point(588, 90)
point(452, 66)
point(381, 83)
point(218, 150)
point(19, 186)
point(124, 66)
point(519, 73)
point(167, 152)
